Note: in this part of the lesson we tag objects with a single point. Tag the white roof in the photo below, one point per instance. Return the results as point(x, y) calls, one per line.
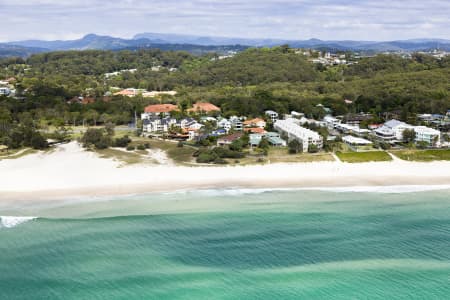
point(355, 140)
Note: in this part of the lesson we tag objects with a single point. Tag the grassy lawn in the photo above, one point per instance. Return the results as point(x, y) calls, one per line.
point(422, 155)
point(279, 155)
point(359, 157)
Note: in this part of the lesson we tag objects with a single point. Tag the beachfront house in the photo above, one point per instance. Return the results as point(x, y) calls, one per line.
point(227, 140)
point(428, 135)
point(392, 130)
point(356, 143)
point(303, 135)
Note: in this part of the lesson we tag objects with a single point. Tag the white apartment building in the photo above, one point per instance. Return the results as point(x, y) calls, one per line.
point(428, 135)
point(273, 115)
point(295, 132)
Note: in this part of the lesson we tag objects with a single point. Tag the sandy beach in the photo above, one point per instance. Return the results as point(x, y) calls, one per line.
point(70, 171)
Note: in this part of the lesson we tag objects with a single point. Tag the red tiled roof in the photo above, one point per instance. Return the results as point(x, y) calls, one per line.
point(253, 121)
point(255, 130)
point(160, 108)
point(204, 106)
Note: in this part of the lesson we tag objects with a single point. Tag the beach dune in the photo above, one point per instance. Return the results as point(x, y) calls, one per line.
point(70, 171)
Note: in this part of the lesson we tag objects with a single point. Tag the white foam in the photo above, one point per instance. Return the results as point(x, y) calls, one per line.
point(394, 189)
point(10, 222)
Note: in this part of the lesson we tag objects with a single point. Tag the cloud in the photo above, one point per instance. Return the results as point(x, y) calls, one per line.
point(296, 19)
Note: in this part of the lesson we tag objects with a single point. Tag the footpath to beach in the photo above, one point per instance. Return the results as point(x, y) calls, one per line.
point(70, 171)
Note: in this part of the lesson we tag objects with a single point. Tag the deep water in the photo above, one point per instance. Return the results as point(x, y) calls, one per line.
point(229, 244)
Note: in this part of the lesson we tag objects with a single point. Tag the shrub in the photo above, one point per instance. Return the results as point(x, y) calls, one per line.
point(180, 144)
point(140, 147)
point(122, 142)
point(147, 146)
point(131, 148)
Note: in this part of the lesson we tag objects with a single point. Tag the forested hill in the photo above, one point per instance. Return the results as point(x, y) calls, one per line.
point(248, 83)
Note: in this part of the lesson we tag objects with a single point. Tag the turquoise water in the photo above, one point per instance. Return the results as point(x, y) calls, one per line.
point(230, 245)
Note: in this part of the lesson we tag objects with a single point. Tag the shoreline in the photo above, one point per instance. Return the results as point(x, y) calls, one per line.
point(71, 172)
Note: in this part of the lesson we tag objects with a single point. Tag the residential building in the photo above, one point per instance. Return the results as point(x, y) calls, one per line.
point(257, 122)
point(154, 125)
point(227, 140)
point(4, 91)
point(204, 107)
point(392, 128)
point(225, 124)
point(237, 123)
point(355, 142)
point(272, 115)
point(331, 121)
point(273, 138)
point(295, 132)
point(352, 129)
point(257, 130)
point(153, 94)
point(158, 109)
point(428, 135)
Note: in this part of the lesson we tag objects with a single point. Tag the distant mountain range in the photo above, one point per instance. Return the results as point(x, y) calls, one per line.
point(201, 44)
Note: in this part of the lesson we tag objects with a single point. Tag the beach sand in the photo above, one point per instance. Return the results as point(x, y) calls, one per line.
point(69, 171)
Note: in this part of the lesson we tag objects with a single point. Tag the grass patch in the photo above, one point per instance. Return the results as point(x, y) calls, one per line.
point(281, 155)
point(423, 155)
point(360, 157)
point(127, 157)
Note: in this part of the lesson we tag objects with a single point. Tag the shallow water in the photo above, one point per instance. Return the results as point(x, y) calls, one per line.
point(230, 244)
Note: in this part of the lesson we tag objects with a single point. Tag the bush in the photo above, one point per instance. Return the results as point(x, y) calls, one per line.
point(141, 147)
point(96, 137)
point(131, 148)
point(38, 141)
point(122, 142)
point(147, 146)
point(180, 144)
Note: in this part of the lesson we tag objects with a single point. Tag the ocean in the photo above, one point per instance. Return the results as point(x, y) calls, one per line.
point(229, 244)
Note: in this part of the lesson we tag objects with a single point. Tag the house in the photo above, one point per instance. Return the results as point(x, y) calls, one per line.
point(355, 142)
point(152, 125)
point(255, 130)
point(229, 139)
point(237, 123)
point(130, 92)
point(331, 121)
point(158, 109)
point(356, 119)
point(154, 94)
point(272, 115)
point(393, 128)
point(4, 91)
point(257, 122)
point(190, 124)
point(352, 129)
point(275, 139)
point(225, 124)
point(303, 135)
point(427, 135)
point(204, 107)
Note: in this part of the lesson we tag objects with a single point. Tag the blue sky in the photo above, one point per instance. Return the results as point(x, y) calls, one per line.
point(300, 19)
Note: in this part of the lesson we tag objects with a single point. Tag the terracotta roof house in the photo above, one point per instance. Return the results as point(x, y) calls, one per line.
point(227, 140)
point(257, 122)
point(87, 100)
point(255, 130)
point(160, 108)
point(204, 107)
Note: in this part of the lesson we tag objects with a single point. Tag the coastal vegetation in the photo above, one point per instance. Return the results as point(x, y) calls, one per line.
point(423, 155)
point(71, 89)
point(360, 157)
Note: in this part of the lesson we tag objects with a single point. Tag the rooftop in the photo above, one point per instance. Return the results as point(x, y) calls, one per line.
point(161, 108)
